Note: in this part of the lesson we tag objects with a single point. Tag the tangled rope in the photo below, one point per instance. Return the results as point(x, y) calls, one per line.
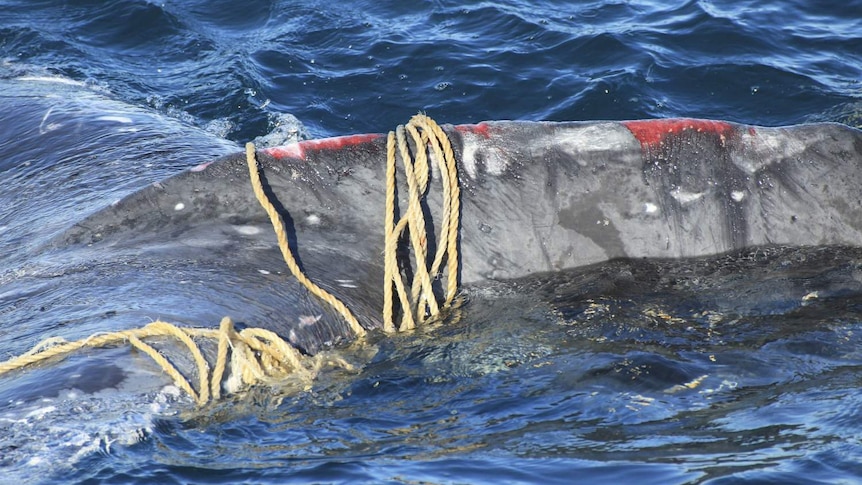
point(421, 303)
point(257, 355)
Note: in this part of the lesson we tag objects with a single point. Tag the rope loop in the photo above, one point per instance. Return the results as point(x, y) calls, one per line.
point(421, 304)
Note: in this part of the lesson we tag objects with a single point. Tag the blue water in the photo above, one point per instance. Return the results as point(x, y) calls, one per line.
point(367, 66)
point(547, 380)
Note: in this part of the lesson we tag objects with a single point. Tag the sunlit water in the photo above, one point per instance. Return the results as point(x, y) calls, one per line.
point(731, 369)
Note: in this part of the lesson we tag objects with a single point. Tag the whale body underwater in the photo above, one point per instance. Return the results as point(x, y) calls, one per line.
point(537, 197)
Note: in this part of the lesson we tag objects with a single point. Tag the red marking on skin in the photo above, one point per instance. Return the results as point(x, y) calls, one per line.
point(339, 142)
point(752, 131)
point(652, 133)
point(482, 129)
point(300, 150)
point(294, 150)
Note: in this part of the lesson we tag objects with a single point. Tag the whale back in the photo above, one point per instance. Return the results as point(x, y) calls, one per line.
point(536, 196)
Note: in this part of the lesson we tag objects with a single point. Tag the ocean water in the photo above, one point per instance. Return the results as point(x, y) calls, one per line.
point(641, 372)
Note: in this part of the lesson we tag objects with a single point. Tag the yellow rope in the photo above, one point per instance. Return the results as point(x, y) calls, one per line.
point(256, 354)
point(281, 234)
point(269, 356)
point(421, 303)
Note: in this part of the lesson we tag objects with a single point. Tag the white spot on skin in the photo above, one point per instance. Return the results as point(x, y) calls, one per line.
point(650, 208)
point(496, 163)
point(313, 220)
point(263, 271)
point(247, 230)
point(686, 197)
point(180, 206)
point(306, 320)
point(468, 158)
point(737, 195)
point(494, 158)
point(582, 141)
point(759, 148)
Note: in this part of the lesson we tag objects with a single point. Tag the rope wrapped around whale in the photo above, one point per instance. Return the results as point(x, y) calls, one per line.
point(258, 355)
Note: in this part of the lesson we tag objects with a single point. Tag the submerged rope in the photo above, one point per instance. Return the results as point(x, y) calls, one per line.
point(280, 359)
point(259, 355)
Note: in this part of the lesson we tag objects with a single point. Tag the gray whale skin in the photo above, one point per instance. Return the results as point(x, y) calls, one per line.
point(536, 197)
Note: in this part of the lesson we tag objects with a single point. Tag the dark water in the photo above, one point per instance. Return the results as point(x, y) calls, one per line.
point(742, 368)
point(367, 66)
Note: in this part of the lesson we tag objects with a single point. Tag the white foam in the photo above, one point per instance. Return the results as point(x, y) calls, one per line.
point(51, 79)
point(115, 118)
point(40, 413)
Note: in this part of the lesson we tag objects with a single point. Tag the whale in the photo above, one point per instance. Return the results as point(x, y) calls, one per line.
point(536, 197)
point(115, 215)
point(169, 226)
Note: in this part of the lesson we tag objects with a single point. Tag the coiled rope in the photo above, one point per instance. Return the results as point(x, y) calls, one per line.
point(259, 355)
point(422, 303)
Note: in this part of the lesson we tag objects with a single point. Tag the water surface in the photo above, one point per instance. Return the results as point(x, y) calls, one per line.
point(739, 368)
